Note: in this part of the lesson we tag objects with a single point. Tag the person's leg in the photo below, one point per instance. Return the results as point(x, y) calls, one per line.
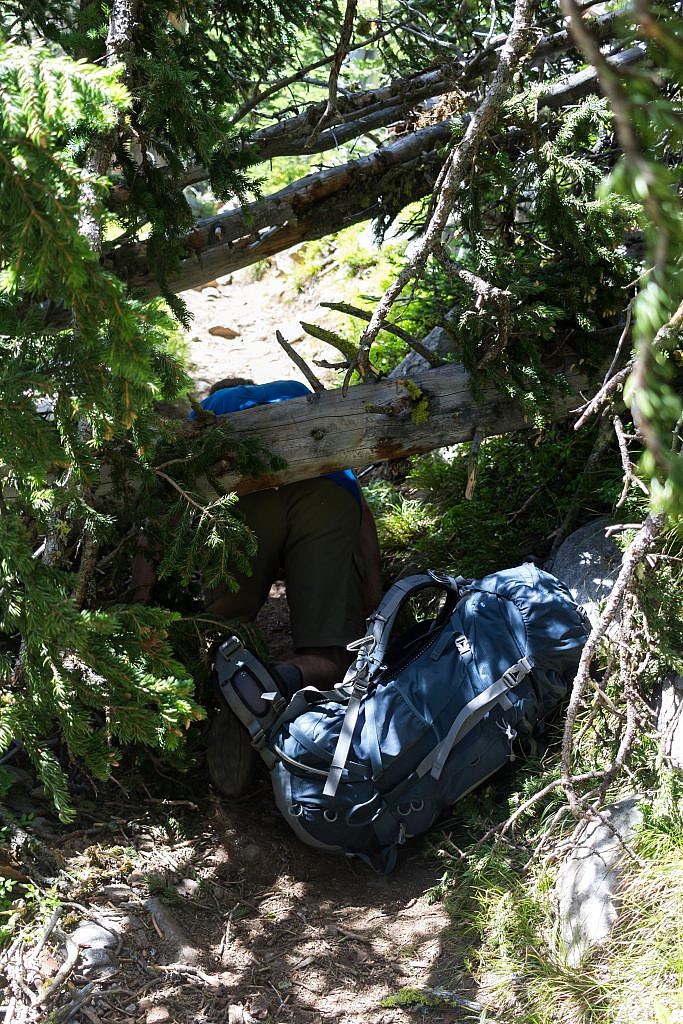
point(324, 576)
point(230, 757)
point(265, 515)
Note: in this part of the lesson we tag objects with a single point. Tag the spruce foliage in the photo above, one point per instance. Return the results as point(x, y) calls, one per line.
point(81, 364)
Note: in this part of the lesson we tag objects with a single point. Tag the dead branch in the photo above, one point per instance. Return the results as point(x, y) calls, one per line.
point(628, 467)
point(485, 292)
point(664, 336)
point(624, 585)
point(390, 328)
point(358, 113)
point(72, 954)
point(297, 76)
point(300, 362)
point(332, 338)
point(318, 204)
point(326, 431)
point(340, 52)
point(455, 168)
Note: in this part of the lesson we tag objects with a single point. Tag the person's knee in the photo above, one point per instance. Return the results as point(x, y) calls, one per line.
point(322, 666)
point(224, 603)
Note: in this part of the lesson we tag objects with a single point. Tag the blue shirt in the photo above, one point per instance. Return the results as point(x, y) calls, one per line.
point(245, 396)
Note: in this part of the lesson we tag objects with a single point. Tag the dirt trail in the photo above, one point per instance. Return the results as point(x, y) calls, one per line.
point(254, 309)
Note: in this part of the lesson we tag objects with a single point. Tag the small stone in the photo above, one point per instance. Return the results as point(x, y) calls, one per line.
point(157, 1015)
point(223, 332)
point(117, 892)
point(95, 957)
point(211, 293)
point(187, 887)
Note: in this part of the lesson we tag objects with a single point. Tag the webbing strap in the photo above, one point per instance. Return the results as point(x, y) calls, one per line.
point(341, 751)
point(470, 715)
point(303, 700)
point(382, 622)
point(373, 739)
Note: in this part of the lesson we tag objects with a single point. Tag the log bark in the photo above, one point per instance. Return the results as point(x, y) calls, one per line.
point(317, 205)
point(375, 186)
point(328, 431)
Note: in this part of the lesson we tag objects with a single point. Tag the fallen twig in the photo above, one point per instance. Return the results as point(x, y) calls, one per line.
point(72, 954)
point(66, 1012)
point(54, 918)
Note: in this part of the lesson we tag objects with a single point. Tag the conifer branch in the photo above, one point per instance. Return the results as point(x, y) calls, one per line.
point(283, 83)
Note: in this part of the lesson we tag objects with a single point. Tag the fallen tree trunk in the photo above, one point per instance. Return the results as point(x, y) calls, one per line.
point(375, 186)
point(328, 431)
point(370, 109)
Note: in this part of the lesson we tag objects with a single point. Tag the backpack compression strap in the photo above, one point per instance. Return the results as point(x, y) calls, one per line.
point(471, 714)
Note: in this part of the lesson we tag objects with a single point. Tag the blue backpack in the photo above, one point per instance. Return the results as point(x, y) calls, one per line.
point(420, 720)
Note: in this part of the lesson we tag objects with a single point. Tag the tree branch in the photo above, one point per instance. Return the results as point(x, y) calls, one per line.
point(390, 328)
point(319, 204)
point(300, 362)
point(624, 585)
point(456, 166)
point(363, 112)
point(342, 49)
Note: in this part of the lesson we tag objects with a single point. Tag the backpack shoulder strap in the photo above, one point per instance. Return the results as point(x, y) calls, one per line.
point(373, 647)
point(369, 660)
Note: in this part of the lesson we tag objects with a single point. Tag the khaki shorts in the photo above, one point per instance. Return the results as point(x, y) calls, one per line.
point(308, 531)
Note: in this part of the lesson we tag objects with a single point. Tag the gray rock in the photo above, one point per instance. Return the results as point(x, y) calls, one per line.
point(670, 721)
point(587, 884)
point(589, 563)
point(438, 341)
point(94, 936)
point(94, 959)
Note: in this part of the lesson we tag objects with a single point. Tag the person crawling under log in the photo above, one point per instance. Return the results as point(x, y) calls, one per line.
point(321, 536)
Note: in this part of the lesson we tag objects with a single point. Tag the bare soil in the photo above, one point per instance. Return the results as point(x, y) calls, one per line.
point(254, 308)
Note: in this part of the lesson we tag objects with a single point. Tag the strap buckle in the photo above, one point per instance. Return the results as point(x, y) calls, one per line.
point(364, 648)
point(463, 645)
point(515, 673)
point(258, 740)
point(365, 641)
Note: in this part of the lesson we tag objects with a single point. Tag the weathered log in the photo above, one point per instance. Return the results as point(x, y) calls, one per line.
point(310, 208)
point(376, 185)
point(367, 110)
point(390, 419)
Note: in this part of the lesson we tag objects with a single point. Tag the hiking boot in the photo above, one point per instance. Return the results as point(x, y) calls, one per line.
point(230, 757)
